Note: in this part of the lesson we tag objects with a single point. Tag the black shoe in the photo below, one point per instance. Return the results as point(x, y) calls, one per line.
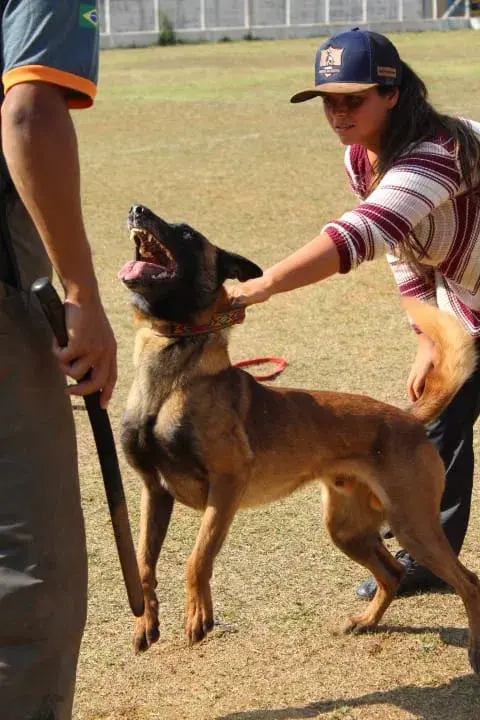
point(417, 578)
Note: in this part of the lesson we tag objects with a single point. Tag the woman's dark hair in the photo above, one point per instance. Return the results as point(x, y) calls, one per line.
point(412, 121)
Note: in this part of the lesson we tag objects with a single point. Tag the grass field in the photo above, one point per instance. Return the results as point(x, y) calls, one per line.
point(205, 133)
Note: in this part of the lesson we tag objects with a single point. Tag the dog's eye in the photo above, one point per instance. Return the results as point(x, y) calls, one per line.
point(187, 235)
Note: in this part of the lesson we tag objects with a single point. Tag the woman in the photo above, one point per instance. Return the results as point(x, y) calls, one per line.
point(417, 173)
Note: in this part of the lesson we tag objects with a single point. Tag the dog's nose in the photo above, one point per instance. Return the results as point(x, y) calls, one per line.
point(138, 211)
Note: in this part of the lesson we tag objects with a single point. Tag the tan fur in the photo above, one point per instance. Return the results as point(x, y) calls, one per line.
point(455, 357)
point(208, 435)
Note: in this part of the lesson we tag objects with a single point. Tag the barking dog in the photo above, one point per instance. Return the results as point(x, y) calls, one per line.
point(206, 434)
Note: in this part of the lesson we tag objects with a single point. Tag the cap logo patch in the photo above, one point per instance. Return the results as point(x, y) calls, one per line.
point(330, 61)
point(386, 72)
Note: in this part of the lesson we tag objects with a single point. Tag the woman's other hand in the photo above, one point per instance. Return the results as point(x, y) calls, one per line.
point(422, 365)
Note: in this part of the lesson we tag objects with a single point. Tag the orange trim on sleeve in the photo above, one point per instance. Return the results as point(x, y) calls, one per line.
point(42, 73)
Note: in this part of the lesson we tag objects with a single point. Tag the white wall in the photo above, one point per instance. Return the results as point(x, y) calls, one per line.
point(133, 22)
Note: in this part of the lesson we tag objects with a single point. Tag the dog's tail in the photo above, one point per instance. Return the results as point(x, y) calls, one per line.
point(454, 363)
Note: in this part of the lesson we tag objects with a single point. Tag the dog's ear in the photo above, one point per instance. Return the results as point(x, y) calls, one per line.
point(231, 265)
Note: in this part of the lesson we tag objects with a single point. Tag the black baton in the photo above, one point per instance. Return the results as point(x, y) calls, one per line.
point(107, 454)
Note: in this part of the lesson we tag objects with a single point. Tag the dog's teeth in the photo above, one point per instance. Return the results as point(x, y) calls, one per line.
point(150, 248)
point(137, 234)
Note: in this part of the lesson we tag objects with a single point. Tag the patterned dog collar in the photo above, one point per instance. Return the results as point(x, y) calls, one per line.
point(219, 321)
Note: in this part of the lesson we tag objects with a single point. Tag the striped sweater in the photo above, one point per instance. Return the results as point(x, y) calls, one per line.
point(423, 192)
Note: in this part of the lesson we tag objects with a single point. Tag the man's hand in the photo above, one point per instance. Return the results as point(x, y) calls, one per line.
point(91, 345)
point(422, 365)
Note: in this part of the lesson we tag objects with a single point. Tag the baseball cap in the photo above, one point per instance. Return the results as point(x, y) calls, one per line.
point(353, 61)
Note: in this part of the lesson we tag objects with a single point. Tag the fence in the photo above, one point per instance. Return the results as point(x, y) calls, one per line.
point(139, 22)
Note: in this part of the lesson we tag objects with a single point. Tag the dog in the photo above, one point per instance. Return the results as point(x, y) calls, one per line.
point(204, 433)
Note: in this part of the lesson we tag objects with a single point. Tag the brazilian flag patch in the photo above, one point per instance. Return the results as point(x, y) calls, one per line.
point(88, 16)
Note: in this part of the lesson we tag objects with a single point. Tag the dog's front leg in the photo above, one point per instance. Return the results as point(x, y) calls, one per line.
point(223, 501)
point(155, 512)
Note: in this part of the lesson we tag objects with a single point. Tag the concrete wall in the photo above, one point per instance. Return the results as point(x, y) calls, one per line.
point(133, 22)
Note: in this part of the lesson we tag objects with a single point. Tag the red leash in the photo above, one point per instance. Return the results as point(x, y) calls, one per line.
point(280, 365)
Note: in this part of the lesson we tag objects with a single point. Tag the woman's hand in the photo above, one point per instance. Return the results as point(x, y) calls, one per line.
point(422, 365)
point(248, 293)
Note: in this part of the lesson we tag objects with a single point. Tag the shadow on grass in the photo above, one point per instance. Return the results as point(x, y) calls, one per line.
point(458, 637)
point(458, 699)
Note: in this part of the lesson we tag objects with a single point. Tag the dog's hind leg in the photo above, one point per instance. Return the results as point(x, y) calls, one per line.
point(417, 527)
point(431, 548)
point(352, 519)
point(155, 512)
point(223, 501)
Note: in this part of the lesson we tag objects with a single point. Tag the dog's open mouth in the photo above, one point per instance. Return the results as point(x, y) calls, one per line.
point(153, 260)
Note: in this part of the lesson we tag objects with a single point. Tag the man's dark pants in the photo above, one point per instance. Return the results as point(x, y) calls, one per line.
point(43, 568)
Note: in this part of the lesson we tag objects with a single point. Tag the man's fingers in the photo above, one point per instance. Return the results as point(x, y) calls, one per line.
point(87, 387)
point(91, 347)
point(64, 355)
point(96, 381)
point(107, 389)
point(103, 377)
point(78, 368)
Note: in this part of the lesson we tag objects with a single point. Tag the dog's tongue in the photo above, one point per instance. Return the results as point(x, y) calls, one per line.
point(134, 269)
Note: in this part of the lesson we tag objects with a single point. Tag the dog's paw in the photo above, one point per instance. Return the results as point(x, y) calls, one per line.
point(198, 620)
point(144, 635)
point(474, 658)
point(357, 624)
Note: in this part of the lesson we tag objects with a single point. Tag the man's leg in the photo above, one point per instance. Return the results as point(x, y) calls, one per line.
point(452, 435)
point(43, 569)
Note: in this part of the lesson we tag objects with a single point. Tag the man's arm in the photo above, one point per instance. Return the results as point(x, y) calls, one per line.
point(40, 148)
